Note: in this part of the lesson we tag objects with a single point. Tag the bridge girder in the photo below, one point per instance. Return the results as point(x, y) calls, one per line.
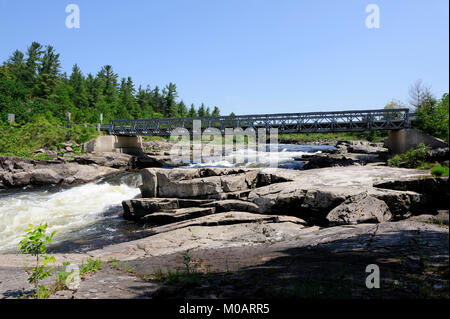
point(312, 122)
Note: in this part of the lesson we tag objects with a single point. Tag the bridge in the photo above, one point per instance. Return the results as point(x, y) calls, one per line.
point(312, 122)
point(125, 135)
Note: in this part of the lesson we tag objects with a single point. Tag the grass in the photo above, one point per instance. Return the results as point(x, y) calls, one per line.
point(41, 132)
point(375, 137)
point(414, 158)
point(417, 158)
point(439, 171)
point(92, 265)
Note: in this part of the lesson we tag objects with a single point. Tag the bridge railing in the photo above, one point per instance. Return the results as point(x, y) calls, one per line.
point(311, 122)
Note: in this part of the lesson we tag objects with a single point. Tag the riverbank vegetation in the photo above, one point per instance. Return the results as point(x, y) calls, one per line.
point(42, 131)
point(417, 158)
point(373, 136)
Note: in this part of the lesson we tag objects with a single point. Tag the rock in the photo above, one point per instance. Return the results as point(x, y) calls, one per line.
point(21, 179)
point(134, 209)
point(358, 209)
point(440, 155)
point(436, 190)
point(45, 176)
point(233, 205)
point(327, 160)
point(19, 172)
point(68, 149)
point(149, 187)
point(191, 183)
point(441, 218)
point(108, 159)
point(228, 218)
point(176, 215)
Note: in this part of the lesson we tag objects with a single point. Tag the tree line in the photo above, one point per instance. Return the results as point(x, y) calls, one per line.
point(432, 113)
point(32, 83)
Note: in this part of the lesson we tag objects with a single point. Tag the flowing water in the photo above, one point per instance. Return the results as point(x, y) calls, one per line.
point(88, 216)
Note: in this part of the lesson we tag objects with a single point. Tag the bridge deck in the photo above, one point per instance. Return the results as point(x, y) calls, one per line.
point(313, 122)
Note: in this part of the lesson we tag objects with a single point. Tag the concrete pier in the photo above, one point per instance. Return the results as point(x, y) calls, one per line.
point(401, 141)
point(123, 144)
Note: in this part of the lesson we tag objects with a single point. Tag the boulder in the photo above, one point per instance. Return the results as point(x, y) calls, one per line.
point(359, 209)
point(135, 209)
point(45, 176)
point(435, 190)
point(195, 183)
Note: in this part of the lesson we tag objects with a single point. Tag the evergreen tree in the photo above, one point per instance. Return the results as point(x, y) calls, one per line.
point(216, 111)
point(32, 84)
point(79, 94)
point(170, 105)
point(192, 112)
point(182, 109)
point(201, 111)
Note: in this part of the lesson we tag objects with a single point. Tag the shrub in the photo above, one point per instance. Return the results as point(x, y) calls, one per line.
point(439, 171)
point(34, 243)
point(414, 158)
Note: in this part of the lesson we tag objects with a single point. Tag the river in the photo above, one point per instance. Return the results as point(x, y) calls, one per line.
point(87, 216)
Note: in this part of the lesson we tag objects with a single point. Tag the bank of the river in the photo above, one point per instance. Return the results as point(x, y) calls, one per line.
point(350, 210)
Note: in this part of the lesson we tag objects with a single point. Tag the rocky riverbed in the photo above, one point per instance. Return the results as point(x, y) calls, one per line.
point(271, 232)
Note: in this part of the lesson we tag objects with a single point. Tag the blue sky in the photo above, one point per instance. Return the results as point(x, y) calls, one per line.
point(248, 56)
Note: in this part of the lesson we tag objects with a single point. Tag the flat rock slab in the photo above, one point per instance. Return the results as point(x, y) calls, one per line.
point(176, 215)
point(232, 205)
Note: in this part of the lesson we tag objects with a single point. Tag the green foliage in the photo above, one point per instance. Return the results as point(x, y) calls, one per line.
point(432, 118)
point(35, 243)
point(371, 136)
point(43, 131)
point(32, 84)
point(439, 171)
point(414, 158)
point(92, 265)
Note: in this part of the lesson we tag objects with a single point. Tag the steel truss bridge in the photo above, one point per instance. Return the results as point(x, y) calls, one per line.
point(313, 122)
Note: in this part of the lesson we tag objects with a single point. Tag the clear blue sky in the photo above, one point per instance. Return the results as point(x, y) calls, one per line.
point(248, 56)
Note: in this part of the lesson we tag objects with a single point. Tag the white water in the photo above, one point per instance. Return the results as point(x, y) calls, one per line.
point(285, 156)
point(64, 211)
point(82, 213)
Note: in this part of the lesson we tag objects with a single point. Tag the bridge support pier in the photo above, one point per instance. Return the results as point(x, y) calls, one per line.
point(122, 144)
point(401, 141)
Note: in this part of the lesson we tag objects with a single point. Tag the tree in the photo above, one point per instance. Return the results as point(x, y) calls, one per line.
point(33, 83)
point(216, 111)
point(395, 104)
point(201, 111)
point(79, 94)
point(170, 105)
point(420, 95)
point(433, 119)
point(192, 112)
point(182, 109)
point(208, 112)
point(34, 52)
point(109, 83)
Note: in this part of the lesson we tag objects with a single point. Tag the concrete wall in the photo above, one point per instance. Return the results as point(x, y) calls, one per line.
point(123, 144)
point(401, 141)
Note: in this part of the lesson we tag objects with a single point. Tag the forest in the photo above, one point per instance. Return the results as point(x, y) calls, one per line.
point(32, 83)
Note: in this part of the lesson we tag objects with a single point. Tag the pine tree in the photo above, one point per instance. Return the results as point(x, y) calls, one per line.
point(192, 112)
point(216, 111)
point(79, 94)
point(182, 109)
point(201, 111)
point(170, 106)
